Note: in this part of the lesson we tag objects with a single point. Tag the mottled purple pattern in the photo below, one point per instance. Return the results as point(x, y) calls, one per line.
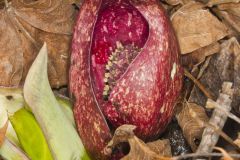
point(118, 21)
point(91, 124)
point(145, 94)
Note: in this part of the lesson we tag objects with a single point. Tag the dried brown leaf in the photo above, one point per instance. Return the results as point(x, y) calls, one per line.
point(233, 8)
point(3, 133)
point(55, 16)
point(198, 57)
point(192, 129)
point(161, 147)
point(138, 149)
point(25, 25)
point(216, 2)
point(11, 52)
point(237, 141)
point(174, 2)
point(231, 14)
point(190, 22)
point(224, 66)
point(76, 2)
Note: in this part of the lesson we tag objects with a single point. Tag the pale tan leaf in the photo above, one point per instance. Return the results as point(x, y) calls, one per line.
point(197, 57)
point(140, 151)
point(55, 16)
point(237, 141)
point(231, 19)
point(216, 2)
point(58, 56)
point(233, 8)
point(224, 66)
point(11, 53)
point(161, 147)
point(192, 129)
point(76, 2)
point(157, 150)
point(196, 27)
point(174, 2)
point(27, 25)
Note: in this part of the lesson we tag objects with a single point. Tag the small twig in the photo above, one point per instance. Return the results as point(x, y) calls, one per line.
point(217, 130)
point(203, 155)
point(6, 3)
point(212, 104)
point(223, 135)
point(206, 92)
point(218, 119)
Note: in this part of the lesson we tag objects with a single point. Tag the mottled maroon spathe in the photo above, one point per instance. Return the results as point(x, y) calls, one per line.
point(124, 68)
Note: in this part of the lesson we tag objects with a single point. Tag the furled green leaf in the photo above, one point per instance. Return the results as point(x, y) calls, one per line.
point(62, 137)
point(30, 135)
point(9, 151)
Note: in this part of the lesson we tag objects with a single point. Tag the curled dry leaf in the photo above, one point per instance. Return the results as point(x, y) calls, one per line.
point(192, 129)
point(11, 52)
point(198, 57)
point(52, 16)
point(237, 141)
point(216, 2)
point(231, 14)
point(157, 150)
point(190, 25)
point(174, 2)
point(76, 2)
point(139, 150)
point(224, 66)
point(25, 25)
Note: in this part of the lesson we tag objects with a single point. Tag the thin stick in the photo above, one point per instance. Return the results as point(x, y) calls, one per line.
point(224, 136)
point(203, 155)
point(206, 92)
point(217, 120)
point(6, 3)
point(212, 104)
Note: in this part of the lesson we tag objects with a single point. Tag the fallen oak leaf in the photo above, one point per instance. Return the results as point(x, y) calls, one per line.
point(233, 8)
point(161, 147)
point(158, 150)
point(140, 151)
point(190, 22)
point(237, 141)
point(216, 2)
point(48, 15)
point(11, 52)
point(31, 23)
point(192, 130)
point(230, 12)
point(197, 57)
point(224, 66)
